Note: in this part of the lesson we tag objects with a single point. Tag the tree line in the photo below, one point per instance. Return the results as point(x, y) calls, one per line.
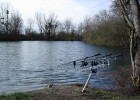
point(104, 28)
point(12, 27)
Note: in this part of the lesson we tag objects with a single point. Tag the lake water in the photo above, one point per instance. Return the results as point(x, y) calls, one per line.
point(30, 65)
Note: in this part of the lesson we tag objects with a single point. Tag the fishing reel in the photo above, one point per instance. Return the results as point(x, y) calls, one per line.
point(94, 70)
point(105, 62)
point(94, 63)
point(95, 60)
point(84, 63)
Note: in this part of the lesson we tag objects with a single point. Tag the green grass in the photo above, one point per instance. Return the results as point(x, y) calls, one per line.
point(110, 95)
point(93, 94)
point(100, 94)
point(16, 96)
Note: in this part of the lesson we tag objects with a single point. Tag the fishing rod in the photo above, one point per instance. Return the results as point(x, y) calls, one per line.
point(115, 56)
point(84, 61)
point(105, 61)
point(99, 62)
point(79, 60)
point(104, 57)
point(88, 57)
point(99, 58)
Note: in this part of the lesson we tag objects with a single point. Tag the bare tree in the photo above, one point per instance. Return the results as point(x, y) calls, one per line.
point(30, 26)
point(130, 9)
point(87, 27)
point(2, 20)
point(68, 25)
point(51, 25)
point(105, 28)
point(16, 23)
point(60, 27)
point(47, 25)
point(39, 19)
point(4, 17)
point(80, 29)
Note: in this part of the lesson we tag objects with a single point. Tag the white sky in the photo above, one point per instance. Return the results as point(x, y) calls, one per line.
point(74, 9)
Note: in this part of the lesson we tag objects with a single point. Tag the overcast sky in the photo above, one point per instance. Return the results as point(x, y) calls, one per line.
point(74, 9)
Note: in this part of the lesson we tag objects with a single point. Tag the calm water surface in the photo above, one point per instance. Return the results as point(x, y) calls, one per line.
point(29, 65)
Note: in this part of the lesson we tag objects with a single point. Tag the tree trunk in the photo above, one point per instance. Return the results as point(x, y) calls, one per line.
point(135, 42)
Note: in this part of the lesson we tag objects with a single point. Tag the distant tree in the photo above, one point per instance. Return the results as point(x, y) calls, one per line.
point(2, 20)
point(16, 23)
point(73, 33)
point(4, 17)
point(60, 27)
point(51, 26)
point(1, 27)
point(105, 28)
point(87, 25)
point(29, 30)
point(47, 25)
point(68, 25)
point(30, 26)
point(39, 19)
point(80, 29)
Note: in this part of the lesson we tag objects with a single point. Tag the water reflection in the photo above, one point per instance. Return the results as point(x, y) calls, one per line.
point(32, 64)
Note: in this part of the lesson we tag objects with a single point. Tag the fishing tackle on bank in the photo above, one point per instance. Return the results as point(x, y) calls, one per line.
point(82, 61)
point(95, 64)
point(96, 61)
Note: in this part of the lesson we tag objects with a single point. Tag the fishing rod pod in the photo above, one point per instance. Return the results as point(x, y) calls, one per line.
point(96, 61)
point(95, 64)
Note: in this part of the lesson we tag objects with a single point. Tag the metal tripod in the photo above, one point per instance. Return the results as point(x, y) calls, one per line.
point(93, 71)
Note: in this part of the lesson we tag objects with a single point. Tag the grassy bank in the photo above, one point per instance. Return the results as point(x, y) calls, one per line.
point(16, 96)
point(70, 93)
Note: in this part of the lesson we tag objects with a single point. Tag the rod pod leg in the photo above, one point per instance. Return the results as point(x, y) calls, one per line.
point(101, 81)
point(87, 81)
point(93, 71)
